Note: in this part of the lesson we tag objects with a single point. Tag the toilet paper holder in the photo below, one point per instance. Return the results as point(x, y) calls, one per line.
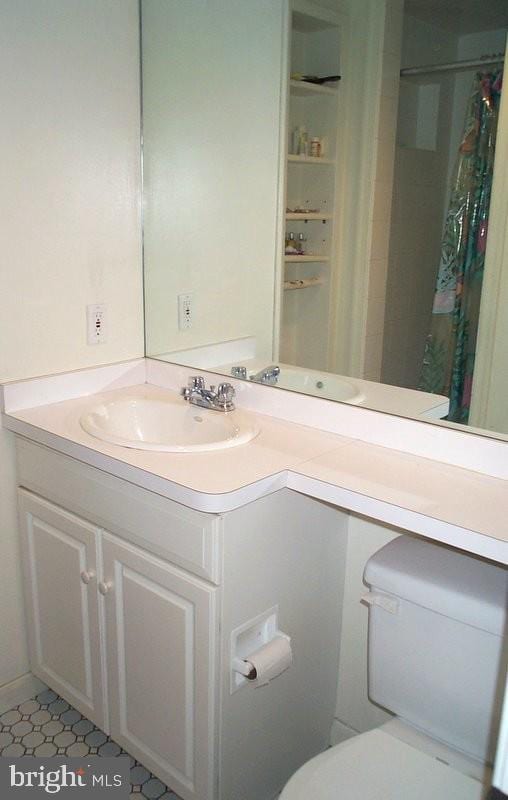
point(245, 668)
point(248, 638)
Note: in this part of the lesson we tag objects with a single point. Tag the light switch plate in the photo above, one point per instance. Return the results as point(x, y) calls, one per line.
point(185, 311)
point(96, 323)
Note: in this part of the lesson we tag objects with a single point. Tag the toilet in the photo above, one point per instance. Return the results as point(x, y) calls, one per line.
point(436, 624)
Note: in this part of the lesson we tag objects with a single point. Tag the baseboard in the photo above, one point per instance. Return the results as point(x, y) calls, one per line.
point(23, 688)
point(341, 732)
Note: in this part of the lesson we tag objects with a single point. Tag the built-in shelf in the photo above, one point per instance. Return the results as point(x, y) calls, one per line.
point(306, 89)
point(310, 183)
point(308, 257)
point(304, 283)
point(309, 159)
point(303, 215)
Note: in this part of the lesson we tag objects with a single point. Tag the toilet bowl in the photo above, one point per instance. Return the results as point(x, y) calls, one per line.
point(436, 623)
point(378, 766)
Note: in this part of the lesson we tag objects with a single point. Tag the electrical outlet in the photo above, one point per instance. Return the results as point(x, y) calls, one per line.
point(185, 308)
point(96, 323)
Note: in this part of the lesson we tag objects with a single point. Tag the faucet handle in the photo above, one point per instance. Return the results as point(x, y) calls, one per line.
point(225, 390)
point(225, 394)
point(196, 382)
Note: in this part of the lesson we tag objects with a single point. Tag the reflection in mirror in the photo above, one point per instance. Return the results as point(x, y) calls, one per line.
point(317, 197)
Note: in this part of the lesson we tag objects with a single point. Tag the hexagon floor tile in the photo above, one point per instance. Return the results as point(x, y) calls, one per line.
point(48, 726)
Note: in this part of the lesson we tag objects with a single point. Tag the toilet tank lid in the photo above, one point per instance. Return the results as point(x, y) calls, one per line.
point(444, 580)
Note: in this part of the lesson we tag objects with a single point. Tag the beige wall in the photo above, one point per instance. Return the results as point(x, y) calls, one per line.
point(211, 163)
point(355, 713)
point(70, 220)
point(419, 197)
point(382, 190)
point(430, 125)
point(366, 152)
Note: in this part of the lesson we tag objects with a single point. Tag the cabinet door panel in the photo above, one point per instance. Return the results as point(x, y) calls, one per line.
point(166, 662)
point(161, 644)
point(63, 620)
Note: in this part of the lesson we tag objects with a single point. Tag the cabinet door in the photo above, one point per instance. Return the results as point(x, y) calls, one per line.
point(160, 633)
point(62, 605)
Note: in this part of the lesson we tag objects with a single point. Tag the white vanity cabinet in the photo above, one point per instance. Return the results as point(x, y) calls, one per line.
point(133, 605)
point(59, 562)
point(148, 622)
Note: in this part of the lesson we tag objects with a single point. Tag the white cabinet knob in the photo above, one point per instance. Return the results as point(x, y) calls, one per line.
point(105, 587)
point(86, 577)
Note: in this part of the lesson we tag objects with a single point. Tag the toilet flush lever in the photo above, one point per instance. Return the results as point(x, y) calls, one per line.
point(390, 604)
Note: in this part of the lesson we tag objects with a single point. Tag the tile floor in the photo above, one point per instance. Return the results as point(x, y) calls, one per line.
point(48, 726)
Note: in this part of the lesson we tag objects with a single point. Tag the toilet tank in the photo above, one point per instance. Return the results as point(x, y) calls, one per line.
point(436, 622)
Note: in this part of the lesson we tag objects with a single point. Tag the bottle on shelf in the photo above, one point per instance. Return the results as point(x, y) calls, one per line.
point(291, 248)
point(301, 244)
point(300, 141)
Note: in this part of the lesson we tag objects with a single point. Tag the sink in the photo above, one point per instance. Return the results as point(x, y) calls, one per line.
point(166, 424)
point(320, 384)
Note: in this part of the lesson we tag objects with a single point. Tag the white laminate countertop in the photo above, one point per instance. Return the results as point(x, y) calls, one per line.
point(447, 503)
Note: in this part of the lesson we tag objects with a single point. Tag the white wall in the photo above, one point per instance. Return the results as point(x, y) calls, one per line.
point(212, 79)
point(69, 200)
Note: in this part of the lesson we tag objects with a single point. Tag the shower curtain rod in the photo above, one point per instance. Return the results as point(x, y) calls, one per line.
point(454, 65)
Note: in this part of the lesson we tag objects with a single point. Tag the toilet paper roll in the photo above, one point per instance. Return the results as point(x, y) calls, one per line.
point(271, 659)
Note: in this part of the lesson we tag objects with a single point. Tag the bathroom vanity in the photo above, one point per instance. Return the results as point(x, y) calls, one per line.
point(132, 602)
point(148, 573)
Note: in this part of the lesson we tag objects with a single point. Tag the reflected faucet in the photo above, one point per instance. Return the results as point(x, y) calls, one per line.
point(239, 372)
point(267, 375)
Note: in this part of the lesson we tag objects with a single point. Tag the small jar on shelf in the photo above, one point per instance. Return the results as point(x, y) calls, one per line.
point(315, 147)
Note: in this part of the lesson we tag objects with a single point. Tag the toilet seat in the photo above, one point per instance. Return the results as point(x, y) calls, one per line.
point(377, 766)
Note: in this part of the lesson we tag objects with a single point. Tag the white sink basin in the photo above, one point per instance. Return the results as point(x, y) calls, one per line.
point(320, 384)
point(168, 425)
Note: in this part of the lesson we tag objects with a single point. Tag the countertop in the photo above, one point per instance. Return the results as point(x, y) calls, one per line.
point(446, 503)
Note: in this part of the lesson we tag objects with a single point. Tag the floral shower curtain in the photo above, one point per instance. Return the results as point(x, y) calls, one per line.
point(450, 349)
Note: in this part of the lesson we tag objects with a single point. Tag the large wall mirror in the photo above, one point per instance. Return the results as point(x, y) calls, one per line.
point(326, 199)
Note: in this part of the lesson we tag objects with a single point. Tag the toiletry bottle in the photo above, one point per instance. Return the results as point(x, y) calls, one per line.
point(303, 143)
point(295, 144)
point(301, 244)
point(291, 247)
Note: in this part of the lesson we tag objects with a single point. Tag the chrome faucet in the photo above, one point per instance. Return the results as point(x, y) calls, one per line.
point(220, 399)
point(267, 375)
